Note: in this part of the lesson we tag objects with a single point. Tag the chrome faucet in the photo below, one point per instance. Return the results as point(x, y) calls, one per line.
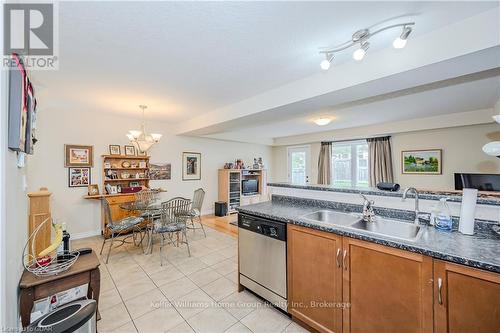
point(405, 194)
point(368, 213)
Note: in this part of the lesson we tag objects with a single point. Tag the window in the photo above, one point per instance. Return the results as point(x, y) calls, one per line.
point(350, 164)
point(298, 164)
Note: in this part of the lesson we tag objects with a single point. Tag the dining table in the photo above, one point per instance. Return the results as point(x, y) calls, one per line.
point(150, 211)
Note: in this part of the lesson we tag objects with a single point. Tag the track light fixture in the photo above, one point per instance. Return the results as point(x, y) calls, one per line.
point(361, 38)
point(359, 54)
point(400, 42)
point(325, 64)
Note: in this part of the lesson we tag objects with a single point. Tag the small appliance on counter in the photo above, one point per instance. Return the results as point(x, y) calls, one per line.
point(393, 187)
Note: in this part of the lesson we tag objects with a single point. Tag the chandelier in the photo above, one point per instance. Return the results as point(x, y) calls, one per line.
point(141, 140)
point(360, 38)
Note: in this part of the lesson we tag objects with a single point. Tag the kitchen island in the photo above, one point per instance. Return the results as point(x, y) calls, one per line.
point(343, 279)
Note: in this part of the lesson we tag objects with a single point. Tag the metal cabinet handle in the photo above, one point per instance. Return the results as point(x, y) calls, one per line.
point(343, 259)
point(338, 258)
point(440, 287)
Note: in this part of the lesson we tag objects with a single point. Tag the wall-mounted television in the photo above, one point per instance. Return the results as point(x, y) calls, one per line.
point(480, 181)
point(249, 186)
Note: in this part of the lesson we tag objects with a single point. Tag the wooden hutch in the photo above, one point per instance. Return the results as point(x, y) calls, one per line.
point(123, 171)
point(230, 188)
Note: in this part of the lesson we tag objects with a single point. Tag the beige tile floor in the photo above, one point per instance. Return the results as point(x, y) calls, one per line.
point(186, 294)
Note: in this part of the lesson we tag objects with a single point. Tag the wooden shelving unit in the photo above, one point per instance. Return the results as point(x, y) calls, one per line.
point(115, 200)
point(116, 162)
point(230, 187)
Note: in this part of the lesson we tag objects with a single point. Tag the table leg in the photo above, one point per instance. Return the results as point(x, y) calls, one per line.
point(26, 304)
point(95, 287)
point(150, 240)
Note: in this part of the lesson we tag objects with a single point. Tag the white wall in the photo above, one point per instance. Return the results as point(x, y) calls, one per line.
point(13, 220)
point(461, 153)
point(57, 127)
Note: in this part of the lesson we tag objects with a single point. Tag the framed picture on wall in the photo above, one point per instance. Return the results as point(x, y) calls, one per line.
point(191, 166)
point(129, 150)
point(78, 177)
point(160, 171)
point(78, 156)
point(423, 162)
point(115, 150)
point(93, 189)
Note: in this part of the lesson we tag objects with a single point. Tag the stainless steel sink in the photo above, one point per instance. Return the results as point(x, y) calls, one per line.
point(328, 216)
point(390, 228)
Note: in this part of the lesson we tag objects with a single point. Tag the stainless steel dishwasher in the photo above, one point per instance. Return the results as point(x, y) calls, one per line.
point(262, 258)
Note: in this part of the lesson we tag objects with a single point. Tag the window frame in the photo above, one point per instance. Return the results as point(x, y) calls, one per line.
point(353, 144)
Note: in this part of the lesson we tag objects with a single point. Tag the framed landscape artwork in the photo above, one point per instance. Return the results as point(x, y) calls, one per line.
point(78, 156)
point(160, 171)
point(191, 166)
point(425, 162)
point(79, 177)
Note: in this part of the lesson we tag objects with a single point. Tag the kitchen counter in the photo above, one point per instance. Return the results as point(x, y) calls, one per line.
point(482, 250)
point(484, 198)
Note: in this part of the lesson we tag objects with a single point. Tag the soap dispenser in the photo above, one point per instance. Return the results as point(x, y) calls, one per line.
point(443, 217)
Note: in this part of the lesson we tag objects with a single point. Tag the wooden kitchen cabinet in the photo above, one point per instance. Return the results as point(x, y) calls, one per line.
point(315, 278)
point(389, 290)
point(465, 299)
point(385, 289)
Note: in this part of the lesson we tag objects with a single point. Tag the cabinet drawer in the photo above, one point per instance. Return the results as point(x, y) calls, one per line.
point(120, 199)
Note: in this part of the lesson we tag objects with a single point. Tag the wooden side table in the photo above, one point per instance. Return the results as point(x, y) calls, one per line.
point(32, 287)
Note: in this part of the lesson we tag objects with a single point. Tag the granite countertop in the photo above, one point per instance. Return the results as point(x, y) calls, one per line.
point(481, 250)
point(483, 198)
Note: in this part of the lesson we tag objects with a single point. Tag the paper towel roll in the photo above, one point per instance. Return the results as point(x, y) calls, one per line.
point(468, 211)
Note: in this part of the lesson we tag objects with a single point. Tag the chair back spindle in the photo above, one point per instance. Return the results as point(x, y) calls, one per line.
point(174, 211)
point(198, 197)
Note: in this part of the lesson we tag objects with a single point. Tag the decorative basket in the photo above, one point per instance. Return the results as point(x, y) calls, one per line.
point(54, 266)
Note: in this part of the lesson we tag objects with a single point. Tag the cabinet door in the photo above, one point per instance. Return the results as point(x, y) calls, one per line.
point(315, 278)
point(389, 290)
point(466, 299)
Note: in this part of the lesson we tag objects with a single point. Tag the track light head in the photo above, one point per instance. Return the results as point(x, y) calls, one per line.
point(325, 64)
point(400, 42)
point(359, 54)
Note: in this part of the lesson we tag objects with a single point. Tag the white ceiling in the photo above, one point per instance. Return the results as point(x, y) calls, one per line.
point(185, 59)
point(425, 101)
